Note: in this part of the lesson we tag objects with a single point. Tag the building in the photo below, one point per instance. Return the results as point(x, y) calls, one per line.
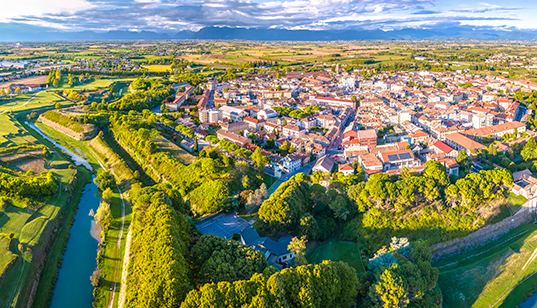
point(324, 164)
point(210, 116)
point(335, 102)
point(481, 120)
point(276, 252)
point(346, 169)
point(232, 137)
point(398, 160)
point(459, 142)
point(254, 124)
point(236, 127)
point(497, 131)
point(266, 114)
point(441, 147)
point(233, 113)
point(292, 131)
point(360, 138)
point(292, 162)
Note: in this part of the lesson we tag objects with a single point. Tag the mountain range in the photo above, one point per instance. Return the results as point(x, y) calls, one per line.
point(16, 32)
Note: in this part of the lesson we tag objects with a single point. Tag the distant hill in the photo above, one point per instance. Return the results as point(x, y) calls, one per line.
point(23, 32)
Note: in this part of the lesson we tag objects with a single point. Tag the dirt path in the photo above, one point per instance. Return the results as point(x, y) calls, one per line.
point(123, 292)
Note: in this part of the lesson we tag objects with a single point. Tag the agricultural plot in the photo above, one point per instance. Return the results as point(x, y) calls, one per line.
point(486, 277)
point(30, 80)
point(158, 68)
point(37, 102)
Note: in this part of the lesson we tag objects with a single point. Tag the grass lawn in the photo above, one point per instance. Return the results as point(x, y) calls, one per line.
point(490, 276)
point(6, 256)
point(12, 133)
point(336, 250)
point(41, 102)
point(515, 201)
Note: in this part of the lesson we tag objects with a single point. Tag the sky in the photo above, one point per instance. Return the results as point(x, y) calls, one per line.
point(176, 15)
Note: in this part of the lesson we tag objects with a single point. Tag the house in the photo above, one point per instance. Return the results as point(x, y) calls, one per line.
point(398, 160)
point(360, 138)
point(497, 131)
point(277, 253)
point(525, 185)
point(324, 164)
point(292, 162)
point(267, 114)
point(254, 124)
point(233, 113)
point(346, 169)
point(452, 167)
point(441, 147)
point(292, 131)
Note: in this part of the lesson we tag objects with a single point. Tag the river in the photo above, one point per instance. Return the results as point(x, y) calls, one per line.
point(531, 302)
point(73, 287)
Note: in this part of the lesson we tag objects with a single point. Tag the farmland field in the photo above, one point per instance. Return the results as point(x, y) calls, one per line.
point(30, 80)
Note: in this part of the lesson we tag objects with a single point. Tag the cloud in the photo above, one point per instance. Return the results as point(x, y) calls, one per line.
point(426, 12)
point(174, 15)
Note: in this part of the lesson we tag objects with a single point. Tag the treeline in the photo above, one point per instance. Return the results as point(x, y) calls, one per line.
point(428, 206)
point(329, 284)
point(54, 77)
point(28, 185)
point(206, 183)
point(159, 273)
point(143, 99)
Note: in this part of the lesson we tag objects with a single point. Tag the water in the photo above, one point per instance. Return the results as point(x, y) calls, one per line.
point(531, 302)
point(73, 287)
point(77, 159)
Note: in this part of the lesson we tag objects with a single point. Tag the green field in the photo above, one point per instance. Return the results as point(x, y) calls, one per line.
point(337, 250)
point(12, 133)
point(491, 276)
point(26, 103)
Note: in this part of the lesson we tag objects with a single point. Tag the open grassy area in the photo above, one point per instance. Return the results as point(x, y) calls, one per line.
point(37, 102)
point(515, 202)
point(336, 250)
point(490, 276)
point(12, 133)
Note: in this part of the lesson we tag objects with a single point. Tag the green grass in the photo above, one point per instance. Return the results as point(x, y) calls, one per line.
point(43, 101)
point(488, 276)
point(515, 201)
point(12, 133)
point(6, 256)
point(337, 250)
point(31, 231)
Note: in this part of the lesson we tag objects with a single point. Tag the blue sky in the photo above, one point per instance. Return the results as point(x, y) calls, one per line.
point(174, 15)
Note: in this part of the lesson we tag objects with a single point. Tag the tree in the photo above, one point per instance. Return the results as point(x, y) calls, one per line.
point(259, 160)
point(530, 149)
point(308, 227)
point(464, 162)
point(196, 146)
point(389, 291)
point(18, 91)
point(164, 108)
point(298, 247)
point(95, 278)
point(217, 259)
point(435, 170)
point(58, 105)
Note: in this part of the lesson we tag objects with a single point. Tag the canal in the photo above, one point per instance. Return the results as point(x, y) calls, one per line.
point(73, 287)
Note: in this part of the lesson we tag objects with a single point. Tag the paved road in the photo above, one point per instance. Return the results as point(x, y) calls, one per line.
point(305, 169)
